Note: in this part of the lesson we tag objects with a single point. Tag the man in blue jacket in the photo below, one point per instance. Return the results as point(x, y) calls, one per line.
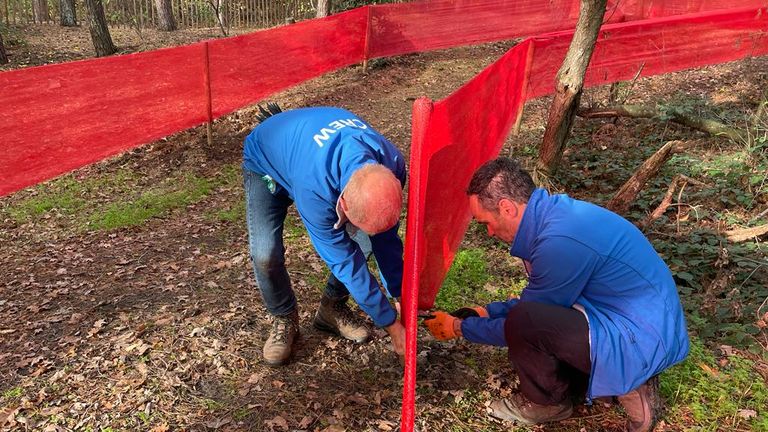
point(346, 181)
point(600, 312)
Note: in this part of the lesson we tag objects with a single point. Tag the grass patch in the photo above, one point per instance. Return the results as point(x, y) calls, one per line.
point(66, 196)
point(151, 204)
point(86, 209)
point(717, 397)
point(232, 213)
point(12, 394)
point(468, 283)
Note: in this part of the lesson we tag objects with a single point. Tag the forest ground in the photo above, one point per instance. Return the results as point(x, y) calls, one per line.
point(127, 301)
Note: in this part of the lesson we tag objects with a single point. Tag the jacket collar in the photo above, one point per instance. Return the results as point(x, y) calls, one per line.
point(530, 224)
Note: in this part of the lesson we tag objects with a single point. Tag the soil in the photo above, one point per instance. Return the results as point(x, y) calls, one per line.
point(160, 326)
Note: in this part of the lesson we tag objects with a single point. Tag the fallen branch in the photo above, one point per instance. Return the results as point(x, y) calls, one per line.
point(711, 127)
point(679, 180)
point(740, 235)
point(626, 195)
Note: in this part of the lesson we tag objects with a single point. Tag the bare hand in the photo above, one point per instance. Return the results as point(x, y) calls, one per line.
point(397, 334)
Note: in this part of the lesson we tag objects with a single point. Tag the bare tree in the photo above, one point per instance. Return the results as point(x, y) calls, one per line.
point(97, 25)
point(165, 19)
point(218, 7)
point(568, 87)
point(67, 14)
point(323, 8)
point(40, 11)
point(3, 55)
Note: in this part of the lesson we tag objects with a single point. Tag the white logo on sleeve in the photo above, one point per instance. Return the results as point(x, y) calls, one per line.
point(326, 132)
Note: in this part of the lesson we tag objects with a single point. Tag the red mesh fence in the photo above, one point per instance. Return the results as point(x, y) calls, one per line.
point(422, 26)
point(58, 118)
point(247, 68)
point(450, 140)
point(655, 47)
point(61, 117)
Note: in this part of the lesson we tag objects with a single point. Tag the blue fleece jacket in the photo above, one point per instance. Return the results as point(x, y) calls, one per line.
point(584, 256)
point(310, 153)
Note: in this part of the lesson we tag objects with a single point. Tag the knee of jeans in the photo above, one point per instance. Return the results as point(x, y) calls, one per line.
point(267, 262)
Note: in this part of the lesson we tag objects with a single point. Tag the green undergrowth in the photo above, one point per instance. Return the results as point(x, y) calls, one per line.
point(119, 200)
point(729, 395)
point(469, 282)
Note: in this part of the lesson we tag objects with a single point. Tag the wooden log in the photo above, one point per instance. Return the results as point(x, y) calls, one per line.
point(711, 127)
point(743, 234)
point(628, 192)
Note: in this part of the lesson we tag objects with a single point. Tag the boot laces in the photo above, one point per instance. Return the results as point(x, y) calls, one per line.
point(344, 314)
point(281, 328)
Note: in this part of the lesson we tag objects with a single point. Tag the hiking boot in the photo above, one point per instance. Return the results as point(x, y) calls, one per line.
point(279, 344)
point(642, 406)
point(519, 409)
point(335, 316)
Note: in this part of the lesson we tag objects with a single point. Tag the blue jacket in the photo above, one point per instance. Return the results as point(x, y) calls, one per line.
point(311, 153)
point(584, 256)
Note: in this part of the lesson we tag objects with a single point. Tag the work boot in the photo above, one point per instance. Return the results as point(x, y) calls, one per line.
point(334, 316)
point(642, 406)
point(519, 409)
point(279, 344)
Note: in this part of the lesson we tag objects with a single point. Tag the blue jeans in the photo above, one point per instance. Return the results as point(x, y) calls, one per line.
point(265, 215)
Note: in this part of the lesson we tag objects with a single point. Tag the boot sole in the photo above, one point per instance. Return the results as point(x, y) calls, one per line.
point(333, 330)
point(514, 418)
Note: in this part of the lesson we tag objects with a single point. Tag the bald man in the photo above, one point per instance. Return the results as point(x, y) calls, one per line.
point(346, 181)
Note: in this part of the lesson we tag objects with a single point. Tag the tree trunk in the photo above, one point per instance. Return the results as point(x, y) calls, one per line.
point(3, 55)
point(323, 8)
point(568, 87)
point(40, 11)
point(97, 25)
point(223, 14)
point(67, 14)
point(165, 19)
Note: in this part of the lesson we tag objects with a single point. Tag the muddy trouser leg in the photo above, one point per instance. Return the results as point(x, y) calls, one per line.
point(334, 288)
point(265, 216)
point(549, 348)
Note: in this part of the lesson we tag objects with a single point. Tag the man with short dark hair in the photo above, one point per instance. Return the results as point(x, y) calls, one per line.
point(346, 180)
point(600, 312)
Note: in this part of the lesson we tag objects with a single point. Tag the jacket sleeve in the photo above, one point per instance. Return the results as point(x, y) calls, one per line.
point(560, 270)
point(388, 250)
point(488, 331)
point(347, 263)
point(500, 309)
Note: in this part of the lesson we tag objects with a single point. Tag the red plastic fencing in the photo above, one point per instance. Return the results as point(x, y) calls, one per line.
point(655, 47)
point(248, 68)
point(61, 117)
point(446, 148)
point(422, 26)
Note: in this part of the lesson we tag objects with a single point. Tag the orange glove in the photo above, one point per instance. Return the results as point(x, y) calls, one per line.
point(466, 312)
point(442, 325)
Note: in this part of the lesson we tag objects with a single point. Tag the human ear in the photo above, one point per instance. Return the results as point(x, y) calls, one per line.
point(508, 207)
point(343, 203)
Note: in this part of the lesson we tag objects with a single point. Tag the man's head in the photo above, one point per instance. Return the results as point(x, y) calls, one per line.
point(372, 199)
point(498, 193)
